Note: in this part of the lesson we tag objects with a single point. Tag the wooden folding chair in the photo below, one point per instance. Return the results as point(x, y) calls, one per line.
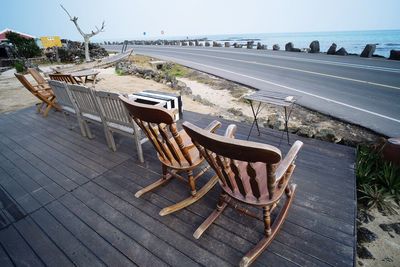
point(87, 106)
point(63, 78)
point(174, 149)
point(67, 103)
point(46, 96)
point(116, 119)
point(41, 82)
point(250, 173)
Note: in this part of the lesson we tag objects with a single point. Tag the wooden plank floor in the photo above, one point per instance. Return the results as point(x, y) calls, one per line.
point(67, 200)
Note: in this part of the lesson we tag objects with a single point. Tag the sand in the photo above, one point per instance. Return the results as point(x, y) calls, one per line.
point(386, 247)
point(108, 80)
point(13, 95)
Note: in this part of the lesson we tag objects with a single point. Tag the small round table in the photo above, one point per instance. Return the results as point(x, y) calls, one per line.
point(84, 76)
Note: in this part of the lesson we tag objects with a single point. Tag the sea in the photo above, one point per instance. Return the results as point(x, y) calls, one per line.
point(352, 41)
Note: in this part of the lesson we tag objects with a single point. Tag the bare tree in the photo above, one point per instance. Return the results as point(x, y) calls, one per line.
point(86, 36)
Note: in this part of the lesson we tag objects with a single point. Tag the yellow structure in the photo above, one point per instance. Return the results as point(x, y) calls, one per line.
point(51, 41)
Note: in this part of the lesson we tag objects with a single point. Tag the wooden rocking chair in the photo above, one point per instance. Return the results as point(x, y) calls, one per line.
point(46, 96)
point(175, 150)
point(251, 173)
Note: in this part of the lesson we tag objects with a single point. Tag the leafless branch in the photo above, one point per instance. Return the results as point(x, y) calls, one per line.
point(75, 21)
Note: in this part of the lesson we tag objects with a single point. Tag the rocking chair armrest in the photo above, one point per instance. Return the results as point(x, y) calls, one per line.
point(174, 111)
point(213, 126)
point(230, 131)
point(288, 160)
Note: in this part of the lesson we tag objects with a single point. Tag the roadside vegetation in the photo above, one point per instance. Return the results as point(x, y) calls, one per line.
point(378, 181)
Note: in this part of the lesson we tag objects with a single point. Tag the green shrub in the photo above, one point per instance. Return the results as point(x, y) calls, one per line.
point(26, 48)
point(373, 197)
point(19, 66)
point(378, 182)
point(175, 70)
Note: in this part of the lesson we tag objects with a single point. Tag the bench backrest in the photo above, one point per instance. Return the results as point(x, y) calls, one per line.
point(63, 78)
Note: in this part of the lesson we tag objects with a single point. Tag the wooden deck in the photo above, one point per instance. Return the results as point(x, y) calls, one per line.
point(67, 200)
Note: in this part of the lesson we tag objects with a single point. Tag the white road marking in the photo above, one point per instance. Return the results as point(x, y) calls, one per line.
point(286, 68)
point(294, 58)
point(289, 88)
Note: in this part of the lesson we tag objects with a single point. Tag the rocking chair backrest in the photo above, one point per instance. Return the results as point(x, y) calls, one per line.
point(36, 75)
point(246, 169)
point(159, 126)
point(63, 78)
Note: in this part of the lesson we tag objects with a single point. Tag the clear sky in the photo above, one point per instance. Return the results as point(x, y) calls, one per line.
point(129, 19)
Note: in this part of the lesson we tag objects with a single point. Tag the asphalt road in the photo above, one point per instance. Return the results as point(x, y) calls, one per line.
point(359, 90)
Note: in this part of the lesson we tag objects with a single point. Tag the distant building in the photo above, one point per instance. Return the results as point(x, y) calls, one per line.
point(5, 31)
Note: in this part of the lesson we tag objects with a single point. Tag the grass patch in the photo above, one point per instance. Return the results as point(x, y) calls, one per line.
point(378, 181)
point(119, 72)
point(176, 71)
point(141, 61)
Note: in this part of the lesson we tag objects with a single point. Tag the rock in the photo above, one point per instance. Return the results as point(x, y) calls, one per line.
point(293, 126)
point(250, 44)
point(276, 122)
point(184, 44)
point(196, 42)
point(236, 45)
point(236, 112)
point(216, 44)
point(364, 253)
point(341, 52)
point(186, 90)
point(365, 236)
point(196, 98)
point(387, 259)
point(394, 54)
point(201, 100)
point(207, 43)
point(368, 50)
point(261, 46)
point(332, 49)
point(314, 47)
point(289, 47)
point(364, 217)
point(327, 134)
point(306, 131)
point(391, 227)
point(190, 43)
point(276, 47)
point(227, 44)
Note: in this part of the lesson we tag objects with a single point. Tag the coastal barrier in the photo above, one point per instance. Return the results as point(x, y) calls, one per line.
point(314, 46)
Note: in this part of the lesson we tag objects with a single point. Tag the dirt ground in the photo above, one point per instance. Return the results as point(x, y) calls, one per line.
point(385, 249)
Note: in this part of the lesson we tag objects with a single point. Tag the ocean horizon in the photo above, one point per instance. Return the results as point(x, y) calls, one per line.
point(352, 41)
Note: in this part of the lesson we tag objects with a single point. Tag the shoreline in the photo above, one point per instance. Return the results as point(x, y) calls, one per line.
point(353, 41)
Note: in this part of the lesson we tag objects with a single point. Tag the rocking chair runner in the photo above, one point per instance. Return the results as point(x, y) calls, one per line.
point(174, 148)
point(251, 173)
